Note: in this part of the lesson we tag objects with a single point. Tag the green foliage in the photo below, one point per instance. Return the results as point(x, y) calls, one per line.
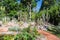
point(48, 3)
point(2, 12)
point(58, 35)
point(8, 8)
point(12, 7)
point(52, 14)
point(6, 37)
point(1, 37)
point(33, 16)
point(27, 2)
point(12, 13)
point(23, 10)
point(14, 29)
point(54, 29)
point(2, 15)
point(27, 34)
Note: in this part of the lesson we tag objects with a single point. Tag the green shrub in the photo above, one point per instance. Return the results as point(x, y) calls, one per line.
point(6, 37)
point(27, 34)
point(1, 37)
point(55, 30)
point(14, 28)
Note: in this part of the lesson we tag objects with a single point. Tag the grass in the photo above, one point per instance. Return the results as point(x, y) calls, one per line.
point(58, 35)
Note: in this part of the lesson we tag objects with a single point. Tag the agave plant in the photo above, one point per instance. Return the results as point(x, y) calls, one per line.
point(14, 28)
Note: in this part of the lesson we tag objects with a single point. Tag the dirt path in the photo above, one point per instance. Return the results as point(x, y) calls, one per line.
point(4, 29)
point(48, 35)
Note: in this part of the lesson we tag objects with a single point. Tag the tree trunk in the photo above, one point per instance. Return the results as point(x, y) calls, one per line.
point(30, 11)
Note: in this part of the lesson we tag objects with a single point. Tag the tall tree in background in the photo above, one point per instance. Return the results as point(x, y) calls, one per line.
point(48, 3)
point(12, 6)
point(45, 6)
point(29, 4)
point(51, 8)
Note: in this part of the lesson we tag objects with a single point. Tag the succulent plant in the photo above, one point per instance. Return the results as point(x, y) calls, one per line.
point(14, 28)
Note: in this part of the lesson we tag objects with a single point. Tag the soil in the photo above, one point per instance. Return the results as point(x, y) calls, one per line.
point(48, 35)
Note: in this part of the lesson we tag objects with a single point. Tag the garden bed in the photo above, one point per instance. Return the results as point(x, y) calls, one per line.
point(25, 34)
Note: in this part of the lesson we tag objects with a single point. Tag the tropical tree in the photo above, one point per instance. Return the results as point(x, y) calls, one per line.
point(13, 8)
point(29, 4)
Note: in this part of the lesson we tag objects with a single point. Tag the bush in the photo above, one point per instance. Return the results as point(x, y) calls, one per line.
point(55, 30)
point(6, 37)
point(14, 29)
point(27, 34)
